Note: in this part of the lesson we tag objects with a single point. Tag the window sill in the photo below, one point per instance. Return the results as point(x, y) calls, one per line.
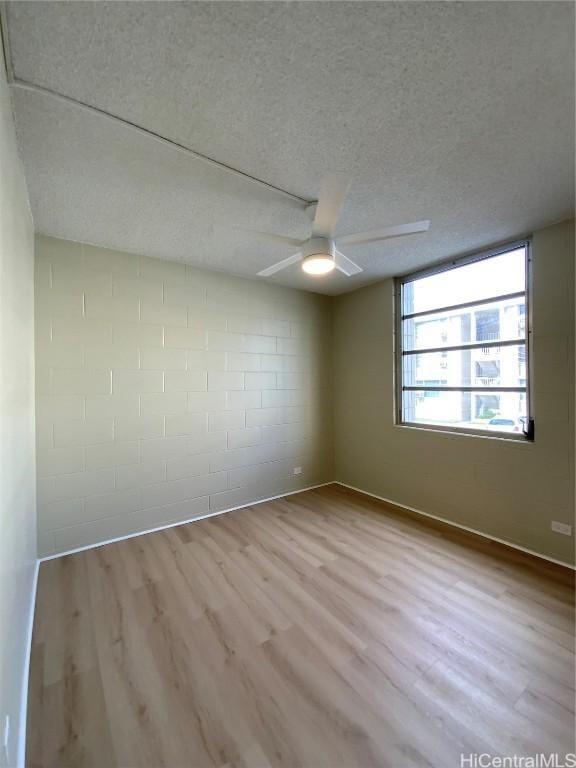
point(517, 438)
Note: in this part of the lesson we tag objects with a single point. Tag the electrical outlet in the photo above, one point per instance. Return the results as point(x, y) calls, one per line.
point(6, 740)
point(562, 528)
point(297, 471)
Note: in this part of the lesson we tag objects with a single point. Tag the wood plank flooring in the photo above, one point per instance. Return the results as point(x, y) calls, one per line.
point(323, 630)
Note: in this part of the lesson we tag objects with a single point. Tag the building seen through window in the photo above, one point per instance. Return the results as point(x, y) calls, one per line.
point(465, 365)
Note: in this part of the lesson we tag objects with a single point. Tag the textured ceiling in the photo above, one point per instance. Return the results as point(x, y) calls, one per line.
point(462, 113)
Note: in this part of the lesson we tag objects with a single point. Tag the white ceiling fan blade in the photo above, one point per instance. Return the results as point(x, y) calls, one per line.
point(274, 237)
point(280, 265)
point(332, 194)
point(346, 265)
point(372, 236)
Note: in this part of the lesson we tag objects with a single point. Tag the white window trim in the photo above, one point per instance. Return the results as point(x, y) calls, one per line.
point(525, 242)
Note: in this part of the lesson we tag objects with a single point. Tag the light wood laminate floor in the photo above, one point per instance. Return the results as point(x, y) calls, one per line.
point(323, 630)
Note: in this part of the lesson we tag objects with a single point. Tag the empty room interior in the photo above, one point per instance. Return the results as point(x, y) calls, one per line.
point(287, 392)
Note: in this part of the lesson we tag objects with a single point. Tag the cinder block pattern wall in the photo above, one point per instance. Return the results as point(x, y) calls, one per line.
point(165, 392)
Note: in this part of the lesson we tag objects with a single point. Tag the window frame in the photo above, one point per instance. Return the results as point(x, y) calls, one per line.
point(454, 263)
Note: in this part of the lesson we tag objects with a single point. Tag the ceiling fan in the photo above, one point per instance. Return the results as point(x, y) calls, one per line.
point(320, 253)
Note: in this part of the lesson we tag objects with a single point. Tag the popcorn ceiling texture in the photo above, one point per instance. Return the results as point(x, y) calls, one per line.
point(165, 392)
point(462, 113)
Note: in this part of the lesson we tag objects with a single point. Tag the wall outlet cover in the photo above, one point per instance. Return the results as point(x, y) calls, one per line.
point(562, 528)
point(297, 471)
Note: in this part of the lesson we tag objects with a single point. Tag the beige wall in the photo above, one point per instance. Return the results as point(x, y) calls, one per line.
point(166, 392)
point(17, 468)
point(507, 489)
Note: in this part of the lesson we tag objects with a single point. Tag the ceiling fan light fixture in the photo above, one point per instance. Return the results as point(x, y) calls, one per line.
point(318, 264)
point(320, 253)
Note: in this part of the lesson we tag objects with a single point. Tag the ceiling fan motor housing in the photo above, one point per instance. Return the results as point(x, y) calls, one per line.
point(318, 246)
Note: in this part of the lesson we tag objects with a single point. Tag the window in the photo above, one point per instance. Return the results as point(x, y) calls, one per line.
point(463, 345)
point(487, 322)
point(488, 369)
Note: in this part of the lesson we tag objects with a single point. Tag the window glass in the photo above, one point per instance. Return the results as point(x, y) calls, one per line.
point(463, 353)
point(494, 321)
point(502, 412)
point(496, 276)
point(491, 367)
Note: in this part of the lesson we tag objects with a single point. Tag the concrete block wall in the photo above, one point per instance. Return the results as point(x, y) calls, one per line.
point(165, 392)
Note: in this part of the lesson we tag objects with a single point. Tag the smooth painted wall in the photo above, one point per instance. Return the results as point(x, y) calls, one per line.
point(510, 490)
point(17, 462)
point(165, 392)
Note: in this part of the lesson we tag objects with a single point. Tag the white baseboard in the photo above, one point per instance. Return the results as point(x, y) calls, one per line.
point(458, 525)
point(24, 702)
point(21, 751)
point(181, 522)
point(291, 493)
